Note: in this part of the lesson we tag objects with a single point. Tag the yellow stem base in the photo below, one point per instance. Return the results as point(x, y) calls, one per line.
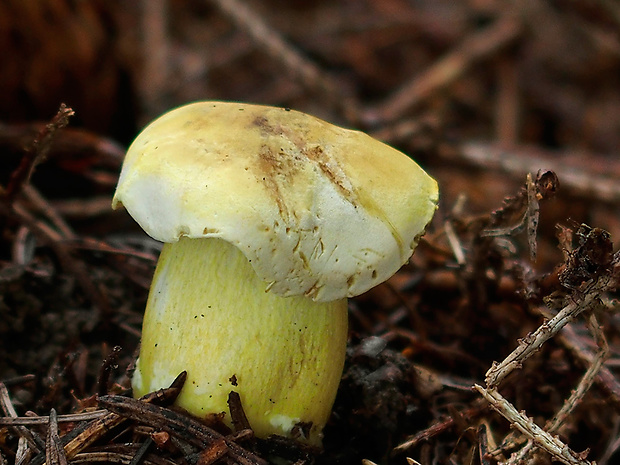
point(209, 314)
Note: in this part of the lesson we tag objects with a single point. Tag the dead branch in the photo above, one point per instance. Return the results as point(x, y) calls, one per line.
point(478, 46)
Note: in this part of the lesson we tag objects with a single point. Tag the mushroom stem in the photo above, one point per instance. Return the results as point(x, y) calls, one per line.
point(209, 314)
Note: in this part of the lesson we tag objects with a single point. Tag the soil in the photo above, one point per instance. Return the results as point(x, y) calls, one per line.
point(498, 342)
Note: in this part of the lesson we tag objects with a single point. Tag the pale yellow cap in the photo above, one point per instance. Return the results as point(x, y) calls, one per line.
point(317, 209)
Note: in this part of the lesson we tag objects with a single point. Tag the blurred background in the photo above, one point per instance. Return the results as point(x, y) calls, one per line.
point(479, 92)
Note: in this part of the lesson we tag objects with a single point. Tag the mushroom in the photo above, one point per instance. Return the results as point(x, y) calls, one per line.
point(271, 219)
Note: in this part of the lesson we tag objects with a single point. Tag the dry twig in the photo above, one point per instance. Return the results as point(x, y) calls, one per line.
point(100, 426)
point(573, 168)
point(590, 270)
point(551, 444)
point(533, 342)
point(36, 153)
point(446, 70)
point(54, 452)
point(26, 436)
point(307, 73)
point(176, 424)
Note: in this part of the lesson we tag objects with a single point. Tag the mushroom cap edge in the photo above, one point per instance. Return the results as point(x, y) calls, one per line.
point(318, 210)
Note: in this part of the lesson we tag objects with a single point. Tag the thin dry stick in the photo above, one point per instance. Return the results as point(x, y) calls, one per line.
point(551, 444)
point(90, 458)
point(41, 204)
point(453, 240)
point(532, 216)
point(438, 428)
point(23, 453)
point(36, 153)
point(529, 220)
point(54, 453)
point(520, 160)
point(455, 244)
point(71, 418)
point(483, 444)
point(83, 208)
point(88, 243)
point(507, 108)
point(446, 70)
point(44, 232)
point(34, 442)
point(534, 341)
point(511, 441)
point(301, 68)
point(553, 425)
point(605, 378)
point(524, 455)
point(586, 381)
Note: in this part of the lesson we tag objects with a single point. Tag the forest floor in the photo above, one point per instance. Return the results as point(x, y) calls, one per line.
point(498, 342)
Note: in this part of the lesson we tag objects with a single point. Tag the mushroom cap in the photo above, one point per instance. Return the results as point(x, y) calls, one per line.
point(317, 209)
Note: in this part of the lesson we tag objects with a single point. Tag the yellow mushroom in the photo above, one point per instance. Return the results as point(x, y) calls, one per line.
point(271, 219)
